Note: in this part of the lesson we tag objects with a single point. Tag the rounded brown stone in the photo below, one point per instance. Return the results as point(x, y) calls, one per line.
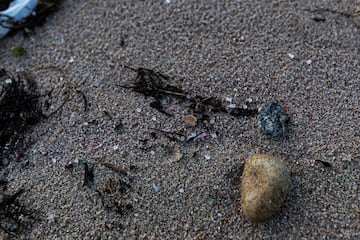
point(264, 187)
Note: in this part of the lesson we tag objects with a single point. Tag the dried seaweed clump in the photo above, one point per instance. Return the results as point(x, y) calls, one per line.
point(18, 106)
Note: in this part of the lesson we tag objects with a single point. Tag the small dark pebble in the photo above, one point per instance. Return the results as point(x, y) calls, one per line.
point(325, 164)
point(318, 18)
point(272, 119)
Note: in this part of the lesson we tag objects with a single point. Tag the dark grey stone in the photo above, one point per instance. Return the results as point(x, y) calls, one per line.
point(272, 119)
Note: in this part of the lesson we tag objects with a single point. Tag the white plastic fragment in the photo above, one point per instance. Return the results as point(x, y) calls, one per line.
point(249, 100)
point(156, 188)
point(51, 216)
point(308, 61)
point(290, 55)
point(228, 99)
point(232, 105)
point(17, 11)
point(181, 190)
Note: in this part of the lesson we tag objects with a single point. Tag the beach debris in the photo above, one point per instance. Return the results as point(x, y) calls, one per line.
point(14, 217)
point(324, 163)
point(156, 188)
point(116, 168)
point(114, 194)
point(24, 14)
point(17, 11)
point(17, 51)
point(241, 112)
point(264, 187)
point(290, 55)
point(154, 84)
point(272, 119)
point(190, 120)
point(88, 171)
point(18, 106)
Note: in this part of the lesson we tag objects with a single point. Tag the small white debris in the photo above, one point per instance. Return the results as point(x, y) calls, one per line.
point(152, 152)
point(207, 156)
point(182, 138)
point(290, 55)
point(96, 84)
point(232, 105)
point(219, 215)
point(244, 106)
point(153, 118)
point(53, 160)
point(86, 124)
point(156, 188)
point(213, 135)
point(308, 61)
point(8, 81)
point(249, 100)
point(188, 96)
point(212, 121)
point(71, 60)
point(138, 110)
point(116, 147)
point(228, 99)
point(181, 190)
point(76, 161)
point(51, 216)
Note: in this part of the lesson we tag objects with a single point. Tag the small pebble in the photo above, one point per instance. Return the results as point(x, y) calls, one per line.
point(264, 187)
point(272, 119)
point(190, 120)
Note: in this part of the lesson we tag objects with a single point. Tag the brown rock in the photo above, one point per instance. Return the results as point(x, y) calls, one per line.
point(264, 187)
point(190, 120)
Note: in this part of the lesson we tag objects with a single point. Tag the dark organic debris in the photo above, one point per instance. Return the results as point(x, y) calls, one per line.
point(114, 194)
point(237, 112)
point(18, 106)
point(324, 163)
point(154, 84)
point(171, 135)
point(318, 18)
point(88, 175)
point(14, 217)
point(116, 168)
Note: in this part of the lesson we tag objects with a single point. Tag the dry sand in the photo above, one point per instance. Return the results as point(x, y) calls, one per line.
point(308, 60)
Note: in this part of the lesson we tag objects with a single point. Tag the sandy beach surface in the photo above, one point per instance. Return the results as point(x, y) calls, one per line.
point(151, 179)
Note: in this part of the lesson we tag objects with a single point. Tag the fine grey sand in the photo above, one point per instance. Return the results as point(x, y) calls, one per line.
point(304, 53)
